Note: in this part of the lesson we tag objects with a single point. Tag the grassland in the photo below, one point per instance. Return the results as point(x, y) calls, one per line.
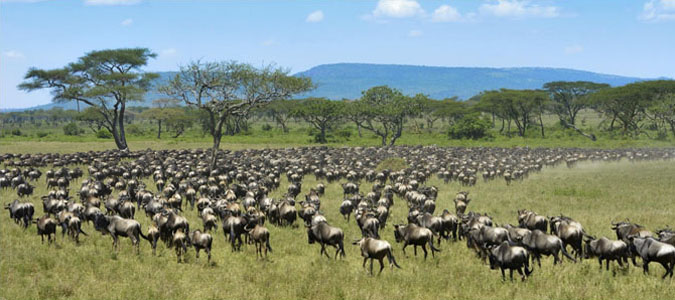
point(593, 193)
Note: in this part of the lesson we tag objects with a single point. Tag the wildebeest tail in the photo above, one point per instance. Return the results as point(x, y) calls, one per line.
point(564, 252)
point(527, 265)
point(431, 245)
point(392, 260)
point(139, 232)
point(232, 234)
point(82, 232)
point(267, 244)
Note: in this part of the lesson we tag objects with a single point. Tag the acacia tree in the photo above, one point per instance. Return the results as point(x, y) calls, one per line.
point(569, 97)
point(228, 90)
point(321, 113)
point(384, 111)
point(281, 111)
point(106, 80)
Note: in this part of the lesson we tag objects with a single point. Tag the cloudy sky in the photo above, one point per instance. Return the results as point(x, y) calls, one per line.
point(623, 37)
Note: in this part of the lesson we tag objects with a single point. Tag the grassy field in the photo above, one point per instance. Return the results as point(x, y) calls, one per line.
point(593, 193)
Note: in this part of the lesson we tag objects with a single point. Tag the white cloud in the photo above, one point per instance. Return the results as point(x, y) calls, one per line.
point(111, 2)
point(168, 52)
point(269, 42)
point(13, 54)
point(127, 22)
point(314, 17)
point(415, 33)
point(446, 13)
point(518, 9)
point(574, 49)
point(658, 10)
point(398, 9)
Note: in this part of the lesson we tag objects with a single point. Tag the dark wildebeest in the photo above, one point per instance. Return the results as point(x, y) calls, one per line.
point(75, 228)
point(570, 232)
point(540, 243)
point(412, 234)
point(201, 240)
point(530, 220)
point(325, 234)
point(25, 189)
point(509, 257)
point(666, 236)
point(376, 249)
point(21, 212)
point(261, 238)
point(287, 213)
point(46, 226)
point(368, 224)
point(650, 250)
point(625, 228)
point(180, 242)
point(234, 227)
point(346, 209)
point(450, 223)
point(117, 226)
point(153, 237)
point(606, 249)
point(210, 222)
point(435, 224)
point(350, 188)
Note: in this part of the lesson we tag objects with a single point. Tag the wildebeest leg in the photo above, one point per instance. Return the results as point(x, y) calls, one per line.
point(371, 266)
point(42, 237)
point(208, 252)
point(511, 274)
point(665, 266)
point(607, 264)
point(425, 251)
point(381, 266)
point(415, 249)
point(620, 263)
point(645, 266)
point(364, 262)
point(522, 276)
point(600, 261)
point(555, 259)
point(405, 244)
point(503, 274)
point(197, 250)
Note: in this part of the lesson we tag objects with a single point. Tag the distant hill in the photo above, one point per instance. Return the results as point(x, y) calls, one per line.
point(347, 80)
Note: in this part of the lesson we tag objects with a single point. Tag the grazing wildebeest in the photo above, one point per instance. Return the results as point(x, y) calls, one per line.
point(21, 212)
point(25, 189)
point(201, 240)
point(210, 222)
point(376, 249)
point(346, 209)
point(506, 256)
point(46, 226)
point(261, 238)
point(117, 226)
point(540, 243)
point(75, 228)
point(650, 250)
point(234, 226)
point(530, 220)
point(604, 248)
point(325, 234)
point(412, 234)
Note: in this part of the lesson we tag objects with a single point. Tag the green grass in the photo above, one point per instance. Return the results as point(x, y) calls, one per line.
point(594, 193)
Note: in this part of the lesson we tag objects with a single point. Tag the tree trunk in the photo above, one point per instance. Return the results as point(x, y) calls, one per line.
point(159, 129)
point(217, 136)
point(122, 135)
point(541, 123)
point(358, 127)
point(384, 140)
point(322, 136)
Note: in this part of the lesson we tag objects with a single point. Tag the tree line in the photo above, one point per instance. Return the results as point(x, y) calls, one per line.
point(223, 96)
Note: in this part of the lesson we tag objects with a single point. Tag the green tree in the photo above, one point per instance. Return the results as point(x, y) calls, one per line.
point(106, 80)
point(384, 112)
point(91, 116)
point(231, 89)
point(281, 111)
point(321, 113)
point(570, 97)
point(160, 112)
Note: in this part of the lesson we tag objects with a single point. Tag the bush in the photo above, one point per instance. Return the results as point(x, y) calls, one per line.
point(134, 129)
point(71, 129)
point(266, 127)
point(470, 127)
point(343, 133)
point(104, 134)
point(17, 132)
point(42, 134)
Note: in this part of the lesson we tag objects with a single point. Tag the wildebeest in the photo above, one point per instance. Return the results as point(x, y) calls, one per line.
point(21, 212)
point(153, 237)
point(46, 226)
point(325, 234)
point(287, 213)
point(625, 228)
point(75, 228)
point(450, 224)
point(117, 226)
point(201, 240)
point(412, 234)
point(540, 243)
point(604, 248)
point(234, 227)
point(666, 236)
point(650, 250)
point(368, 224)
point(180, 243)
point(506, 256)
point(461, 201)
point(25, 189)
point(376, 249)
point(530, 220)
point(261, 238)
point(570, 232)
point(346, 209)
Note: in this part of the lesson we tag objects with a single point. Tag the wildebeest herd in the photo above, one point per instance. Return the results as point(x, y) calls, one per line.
point(235, 196)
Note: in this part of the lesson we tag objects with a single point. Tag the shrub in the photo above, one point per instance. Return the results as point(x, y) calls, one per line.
point(134, 129)
point(470, 127)
point(42, 134)
point(266, 127)
point(71, 129)
point(104, 134)
point(343, 133)
point(17, 132)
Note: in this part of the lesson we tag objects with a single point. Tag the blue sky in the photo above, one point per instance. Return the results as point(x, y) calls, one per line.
point(623, 37)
